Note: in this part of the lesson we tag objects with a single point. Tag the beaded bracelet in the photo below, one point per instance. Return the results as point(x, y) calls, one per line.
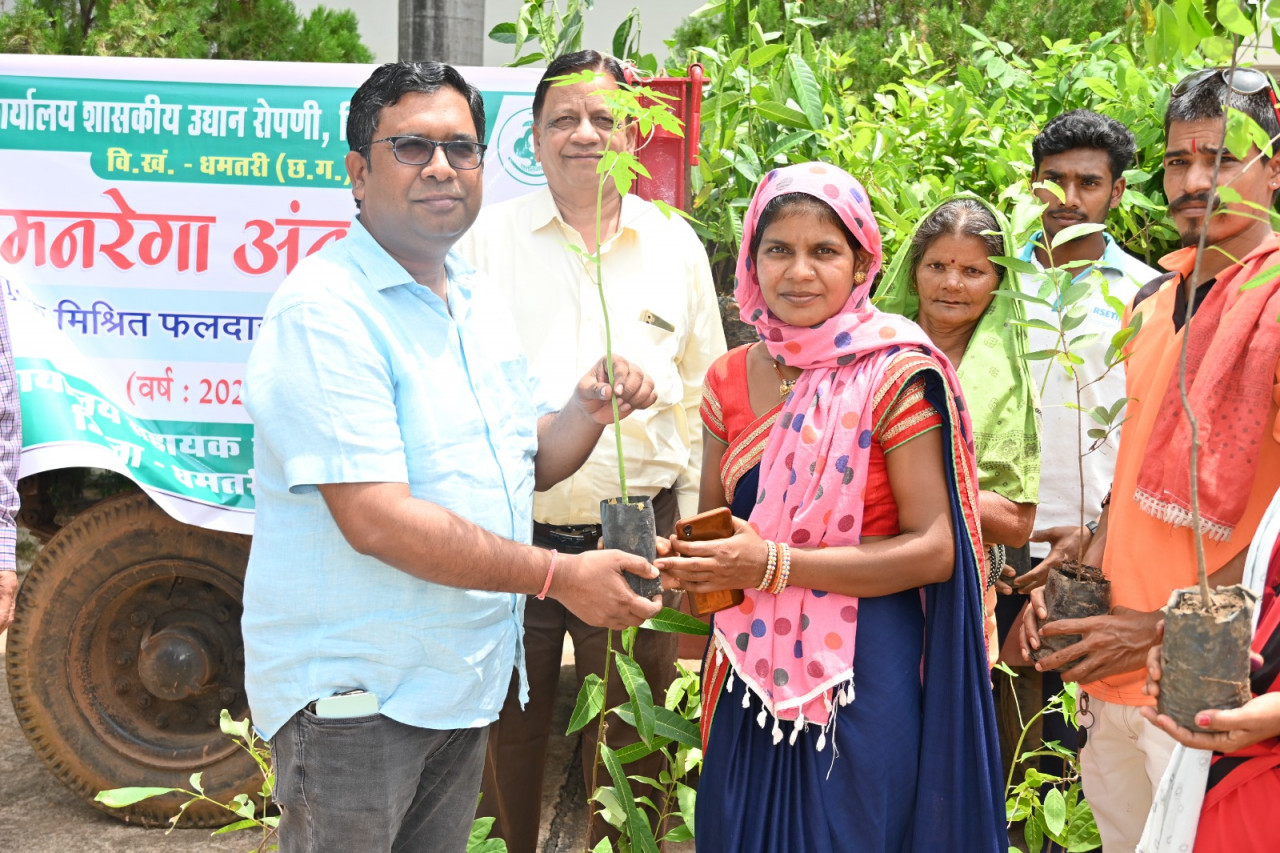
point(784, 569)
point(770, 567)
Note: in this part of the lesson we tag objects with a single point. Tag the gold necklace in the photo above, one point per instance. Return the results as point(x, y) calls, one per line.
point(784, 389)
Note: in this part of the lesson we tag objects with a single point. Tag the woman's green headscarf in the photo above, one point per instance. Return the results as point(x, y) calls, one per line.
point(993, 374)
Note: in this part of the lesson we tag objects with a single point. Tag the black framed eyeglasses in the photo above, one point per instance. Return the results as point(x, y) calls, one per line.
point(418, 151)
point(1242, 81)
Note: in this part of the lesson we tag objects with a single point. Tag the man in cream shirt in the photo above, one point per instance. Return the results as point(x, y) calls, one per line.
point(664, 316)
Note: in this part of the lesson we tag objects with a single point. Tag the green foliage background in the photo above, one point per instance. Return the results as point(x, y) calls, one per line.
point(185, 29)
point(868, 30)
point(957, 117)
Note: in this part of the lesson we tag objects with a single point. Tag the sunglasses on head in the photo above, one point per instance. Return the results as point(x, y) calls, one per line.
point(1242, 81)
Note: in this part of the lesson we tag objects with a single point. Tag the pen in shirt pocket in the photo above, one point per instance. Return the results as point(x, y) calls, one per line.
point(653, 319)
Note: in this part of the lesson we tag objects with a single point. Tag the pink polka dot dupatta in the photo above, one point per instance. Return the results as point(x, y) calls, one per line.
point(796, 649)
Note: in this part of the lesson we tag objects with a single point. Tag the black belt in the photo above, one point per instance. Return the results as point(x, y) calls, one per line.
point(570, 538)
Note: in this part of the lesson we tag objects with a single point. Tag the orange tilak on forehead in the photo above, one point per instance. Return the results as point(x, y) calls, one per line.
point(1193, 146)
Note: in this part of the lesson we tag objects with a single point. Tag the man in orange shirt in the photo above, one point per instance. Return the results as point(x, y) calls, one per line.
point(1144, 541)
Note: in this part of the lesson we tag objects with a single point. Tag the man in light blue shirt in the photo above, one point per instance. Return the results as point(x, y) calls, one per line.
point(399, 439)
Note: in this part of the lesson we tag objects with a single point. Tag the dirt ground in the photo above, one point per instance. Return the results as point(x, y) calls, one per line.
point(39, 815)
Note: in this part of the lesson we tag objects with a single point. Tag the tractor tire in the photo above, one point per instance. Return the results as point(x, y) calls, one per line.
point(124, 650)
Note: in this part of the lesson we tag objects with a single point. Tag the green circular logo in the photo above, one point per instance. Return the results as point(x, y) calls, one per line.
point(515, 149)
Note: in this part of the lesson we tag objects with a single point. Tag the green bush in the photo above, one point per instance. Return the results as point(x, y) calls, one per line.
point(935, 129)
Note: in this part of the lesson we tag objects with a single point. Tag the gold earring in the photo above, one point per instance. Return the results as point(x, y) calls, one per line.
point(860, 277)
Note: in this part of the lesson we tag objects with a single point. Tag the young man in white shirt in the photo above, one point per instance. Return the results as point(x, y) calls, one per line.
point(1085, 155)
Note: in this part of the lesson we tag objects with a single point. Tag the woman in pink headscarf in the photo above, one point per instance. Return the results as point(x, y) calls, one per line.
point(847, 704)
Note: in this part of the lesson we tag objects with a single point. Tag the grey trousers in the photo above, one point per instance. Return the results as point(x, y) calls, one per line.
point(374, 785)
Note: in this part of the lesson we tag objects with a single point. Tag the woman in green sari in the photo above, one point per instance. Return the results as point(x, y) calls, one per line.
point(944, 279)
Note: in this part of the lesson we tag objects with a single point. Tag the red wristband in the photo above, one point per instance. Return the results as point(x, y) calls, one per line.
point(551, 570)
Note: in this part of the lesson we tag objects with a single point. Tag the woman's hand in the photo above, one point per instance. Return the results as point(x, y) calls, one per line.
point(734, 563)
point(1229, 730)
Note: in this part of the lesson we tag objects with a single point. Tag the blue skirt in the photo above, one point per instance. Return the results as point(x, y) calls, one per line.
point(858, 796)
point(915, 764)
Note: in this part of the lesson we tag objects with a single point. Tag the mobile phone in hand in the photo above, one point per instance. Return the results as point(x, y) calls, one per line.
point(712, 524)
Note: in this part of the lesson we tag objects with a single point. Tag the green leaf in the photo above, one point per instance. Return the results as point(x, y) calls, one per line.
point(570, 38)
point(787, 142)
point(234, 728)
point(1165, 40)
point(667, 210)
point(687, 797)
point(678, 834)
point(1033, 832)
point(706, 10)
point(1233, 16)
point(637, 828)
point(1023, 297)
point(1082, 831)
point(590, 702)
point(641, 696)
point(783, 114)
point(1075, 232)
point(528, 59)
point(1101, 87)
point(489, 845)
point(1218, 49)
point(1243, 134)
point(1073, 318)
point(504, 33)
point(1082, 341)
point(118, 798)
point(196, 782)
point(1052, 188)
point(1269, 274)
point(1016, 264)
point(638, 750)
point(666, 724)
point(766, 54)
point(807, 91)
point(249, 824)
point(1035, 323)
point(672, 621)
point(611, 810)
point(242, 805)
point(626, 37)
point(970, 78)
